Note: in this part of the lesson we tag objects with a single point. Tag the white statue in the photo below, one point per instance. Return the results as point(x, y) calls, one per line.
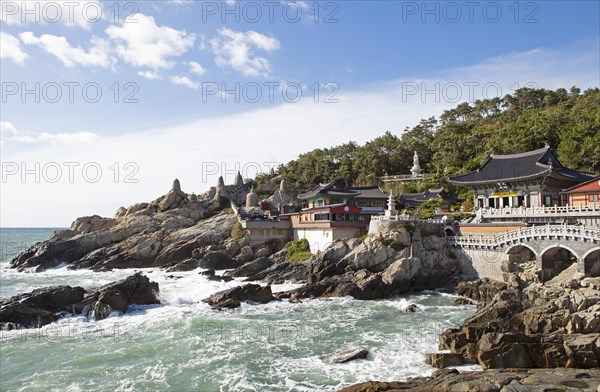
point(416, 169)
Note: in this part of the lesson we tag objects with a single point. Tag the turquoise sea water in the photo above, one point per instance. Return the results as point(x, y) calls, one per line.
point(183, 345)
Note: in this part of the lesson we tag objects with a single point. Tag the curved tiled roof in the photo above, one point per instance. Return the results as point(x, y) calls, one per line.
point(334, 189)
point(524, 166)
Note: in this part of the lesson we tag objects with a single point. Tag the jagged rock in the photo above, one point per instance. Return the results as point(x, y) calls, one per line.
point(514, 380)
point(351, 355)
point(45, 305)
point(444, 360)
point(282, 272)
point(251, 269)
point(39, 307)
point(217, 260)
point(120, 213)
point(401, 273)
point(481, 290)
point(87, 224)
point(171, 200)
point(136, 289)
point(233, 298)
point(185, 265)
point(412, 308)
point(246, 254)
point(136, 208)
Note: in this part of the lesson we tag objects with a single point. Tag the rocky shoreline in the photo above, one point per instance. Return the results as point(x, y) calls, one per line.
point(519, 323)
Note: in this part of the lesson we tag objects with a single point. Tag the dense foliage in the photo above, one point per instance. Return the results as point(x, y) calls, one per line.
point(463, 137)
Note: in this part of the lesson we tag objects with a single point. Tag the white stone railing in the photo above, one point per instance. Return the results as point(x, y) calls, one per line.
point(593, 210)
point(403, 218)
point(523, 235)
point(404, 177)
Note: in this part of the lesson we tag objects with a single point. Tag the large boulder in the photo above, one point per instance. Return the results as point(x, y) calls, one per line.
point(251, 269)
point(39, 307)
point(401, 273)
point(45, 305)
point(136, 289)
point(282, 272)
point(232, 298)
point(217, 260)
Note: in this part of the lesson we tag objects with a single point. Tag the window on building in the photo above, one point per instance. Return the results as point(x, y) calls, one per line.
point(320, 203)
point(593, 198)
point(547, 201)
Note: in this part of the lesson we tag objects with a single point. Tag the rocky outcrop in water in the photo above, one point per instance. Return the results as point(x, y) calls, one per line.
point(118, 296)
point(48, 304)
point(233, 298)
point(161, 233)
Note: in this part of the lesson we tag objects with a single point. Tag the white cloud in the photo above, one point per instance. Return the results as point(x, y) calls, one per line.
point(81, 13)
point(235, 49)
point(196, 68)
point(70, 56)
point(184, 81)
point(145, 44)
point(10, 48)
point(150, 75)
point(8, 132)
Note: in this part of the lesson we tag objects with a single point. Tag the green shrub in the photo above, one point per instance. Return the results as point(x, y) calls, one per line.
point(299, 250)
point(237, 232)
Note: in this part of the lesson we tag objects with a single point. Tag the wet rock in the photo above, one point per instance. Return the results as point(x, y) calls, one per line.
point(351, 355)
point(232, 298)
point(282, 272)
point(185, 265)
point(118, 296)
point(251, 268)
point(444, 360)
point(39, 307)
point(412, 308)
point(45, 305)
point(217, 260)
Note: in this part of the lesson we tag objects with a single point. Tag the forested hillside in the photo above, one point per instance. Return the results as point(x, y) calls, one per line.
point(461, 138)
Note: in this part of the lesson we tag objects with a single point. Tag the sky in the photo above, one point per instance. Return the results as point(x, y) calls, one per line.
point(103, 104)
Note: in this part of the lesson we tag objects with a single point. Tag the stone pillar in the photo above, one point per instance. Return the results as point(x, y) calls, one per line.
point(176, 185)
point(581, 265)
point(238, 180)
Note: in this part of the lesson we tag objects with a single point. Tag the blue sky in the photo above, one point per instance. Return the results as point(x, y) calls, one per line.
point(371, 63)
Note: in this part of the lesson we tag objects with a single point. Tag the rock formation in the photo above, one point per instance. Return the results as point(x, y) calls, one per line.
point(160, 233)
point(233, 298)
point(450, 380)
point(555, 324)
point(48, 304)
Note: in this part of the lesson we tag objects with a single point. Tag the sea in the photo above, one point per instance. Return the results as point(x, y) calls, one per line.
point(184, 345)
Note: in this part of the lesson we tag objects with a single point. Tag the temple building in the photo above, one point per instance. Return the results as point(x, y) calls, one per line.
point(529, 179)
point(370, 200)
point(332, 211)
point(586, 194)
